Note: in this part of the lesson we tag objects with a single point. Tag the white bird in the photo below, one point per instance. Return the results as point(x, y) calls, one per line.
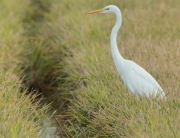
point(135, 78)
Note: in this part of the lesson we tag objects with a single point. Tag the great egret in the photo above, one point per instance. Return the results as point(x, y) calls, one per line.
point(136, 79)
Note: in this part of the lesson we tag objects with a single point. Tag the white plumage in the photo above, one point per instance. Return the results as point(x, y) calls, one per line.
point(136, 79)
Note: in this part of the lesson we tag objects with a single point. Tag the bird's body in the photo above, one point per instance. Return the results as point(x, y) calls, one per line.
point(136, 79)
point(139, 81)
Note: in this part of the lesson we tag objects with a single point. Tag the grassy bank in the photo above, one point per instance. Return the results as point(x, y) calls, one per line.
point(102, 106)
point(20, 118)
point(43, 55)
point(65, 55)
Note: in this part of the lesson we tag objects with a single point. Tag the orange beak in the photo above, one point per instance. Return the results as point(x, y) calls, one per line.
point(96, 11)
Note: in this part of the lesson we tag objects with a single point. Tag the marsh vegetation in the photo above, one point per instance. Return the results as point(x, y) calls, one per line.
point(65, 55)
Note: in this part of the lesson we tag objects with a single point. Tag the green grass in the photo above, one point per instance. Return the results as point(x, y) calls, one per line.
point(43, 55)
point(65, 54)
point(20, 114)
point(102, 106)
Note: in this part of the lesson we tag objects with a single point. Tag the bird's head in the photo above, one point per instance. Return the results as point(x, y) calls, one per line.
point(107, 9)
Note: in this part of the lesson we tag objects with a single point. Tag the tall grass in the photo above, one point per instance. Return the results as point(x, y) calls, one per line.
point(43, 63)
point(20, 117)
point(101, 105)
point(64, 52)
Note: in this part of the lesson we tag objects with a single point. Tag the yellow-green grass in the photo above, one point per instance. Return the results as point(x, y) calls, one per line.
point(43, 55)
point(19, 117)
point(102, 106)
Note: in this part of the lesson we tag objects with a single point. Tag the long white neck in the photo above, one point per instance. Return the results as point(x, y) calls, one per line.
point(118, 59)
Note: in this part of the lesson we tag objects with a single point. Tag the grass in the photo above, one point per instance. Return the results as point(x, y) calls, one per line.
point(102, 106)
point(65, 54)
point(42, 67)
point(20, 114)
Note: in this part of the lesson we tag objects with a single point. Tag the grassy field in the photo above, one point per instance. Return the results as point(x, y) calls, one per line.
point(20, 118)
point(65, 54)
point(101, 105)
